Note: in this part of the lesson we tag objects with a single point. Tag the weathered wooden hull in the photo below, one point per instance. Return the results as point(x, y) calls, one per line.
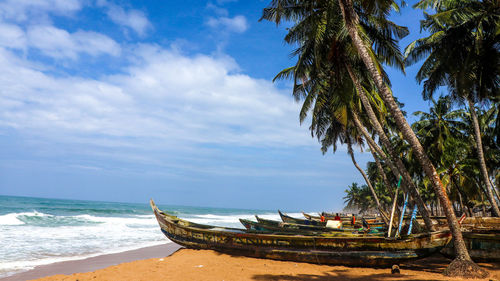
point(286, 218)
point(315, 221)
point(276, 225)
point(471, 224)
point(483, 246)
point(354, 251)
point(305, 229)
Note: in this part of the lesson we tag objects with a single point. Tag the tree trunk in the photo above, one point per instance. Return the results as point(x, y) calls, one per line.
point(482, 162)
point(413, 190)
point(461, 253)
point(381, 170)
point(381, 210)
point(482, 204)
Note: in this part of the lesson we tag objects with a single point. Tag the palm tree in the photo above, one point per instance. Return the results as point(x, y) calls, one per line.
point(324, 50)
point(360, 20)
point(491, 146)
point(437, 127)
point(363, 46)
point(358, 197)
point(439, 130)
point(472, 71)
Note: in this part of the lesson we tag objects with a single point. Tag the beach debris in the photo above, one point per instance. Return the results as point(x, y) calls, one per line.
point(395, 269)
point(161, 259)
point(201, 265)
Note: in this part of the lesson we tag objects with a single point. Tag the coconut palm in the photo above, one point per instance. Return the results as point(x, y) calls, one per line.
point(436, 127)
point(358, 198)
point(359, 21)
point(470, 72)
point(352, 19)
point(325, 50)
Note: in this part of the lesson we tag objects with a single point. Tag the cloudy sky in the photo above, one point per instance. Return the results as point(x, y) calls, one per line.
point(122, 100)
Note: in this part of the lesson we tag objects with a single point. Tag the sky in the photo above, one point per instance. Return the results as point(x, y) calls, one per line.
point(121, 100)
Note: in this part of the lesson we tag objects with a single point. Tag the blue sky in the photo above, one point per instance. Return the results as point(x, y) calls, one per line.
point(122, 100)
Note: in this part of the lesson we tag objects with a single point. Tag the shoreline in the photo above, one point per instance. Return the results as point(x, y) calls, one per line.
point(95, 263)
point(208, 265)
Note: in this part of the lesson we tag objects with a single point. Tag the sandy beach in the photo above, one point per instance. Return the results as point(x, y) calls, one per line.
point(95, 263)
point(187, 264)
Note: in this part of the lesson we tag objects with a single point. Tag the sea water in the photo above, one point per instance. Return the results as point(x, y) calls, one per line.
point(38, 231)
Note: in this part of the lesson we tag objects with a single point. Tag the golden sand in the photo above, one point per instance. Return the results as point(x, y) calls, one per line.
point(208, 265)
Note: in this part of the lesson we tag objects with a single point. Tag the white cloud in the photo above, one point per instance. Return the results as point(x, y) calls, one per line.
point(59, 43)
point(23, 10)
point(134, 19)
point(165, 100)
point(12, 36)
point(236, 24)
point(218, 10)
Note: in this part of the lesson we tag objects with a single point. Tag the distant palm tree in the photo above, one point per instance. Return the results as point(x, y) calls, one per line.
point(358, 197)
point(437, 127)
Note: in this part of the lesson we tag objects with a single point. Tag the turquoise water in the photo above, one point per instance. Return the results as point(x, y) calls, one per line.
point(37, 231)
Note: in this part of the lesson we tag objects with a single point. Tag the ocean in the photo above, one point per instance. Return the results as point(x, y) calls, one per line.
point(38, 231)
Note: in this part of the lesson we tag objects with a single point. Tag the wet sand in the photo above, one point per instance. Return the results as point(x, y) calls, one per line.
point(187, 264)
point(95, 263)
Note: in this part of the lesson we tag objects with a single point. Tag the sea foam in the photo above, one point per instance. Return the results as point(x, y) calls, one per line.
point(43, 231)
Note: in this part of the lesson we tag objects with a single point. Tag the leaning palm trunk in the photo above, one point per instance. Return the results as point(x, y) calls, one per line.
point(462, 265)
point(374, 194)
point(482, 163)
point(382, 173)
point(381, 170)
point(412, 189)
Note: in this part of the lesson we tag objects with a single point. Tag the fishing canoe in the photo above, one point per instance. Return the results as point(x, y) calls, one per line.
point(483, 245)
point(327, 217)
point(354, 251)
point(305, 229)
point(289, 219)
point(317, 228)
point(286, 218)
point(346, 220)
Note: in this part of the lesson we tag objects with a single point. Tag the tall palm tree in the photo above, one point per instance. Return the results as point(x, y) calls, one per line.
point(439, 130)
point(491, 145)
point(364, 48)
point(471, 72)
point(325, 49)
point(358, 21)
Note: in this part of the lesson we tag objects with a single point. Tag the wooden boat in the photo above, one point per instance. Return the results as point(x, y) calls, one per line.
point(346, 220)
point(473, 223)
point(305, 229)
point(327, 217)
point(483, 245)
point(288, 219)
point(317, 228)
point(356, 251)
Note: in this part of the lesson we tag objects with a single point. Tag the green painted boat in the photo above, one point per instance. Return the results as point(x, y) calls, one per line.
point(354, 251)
point(294, 226)
point(483, 245)
point(286, 218)
point(346, 220)
point(305, 229)
point(289, 219)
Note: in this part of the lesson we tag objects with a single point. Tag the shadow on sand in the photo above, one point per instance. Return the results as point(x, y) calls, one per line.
point(434, 264)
